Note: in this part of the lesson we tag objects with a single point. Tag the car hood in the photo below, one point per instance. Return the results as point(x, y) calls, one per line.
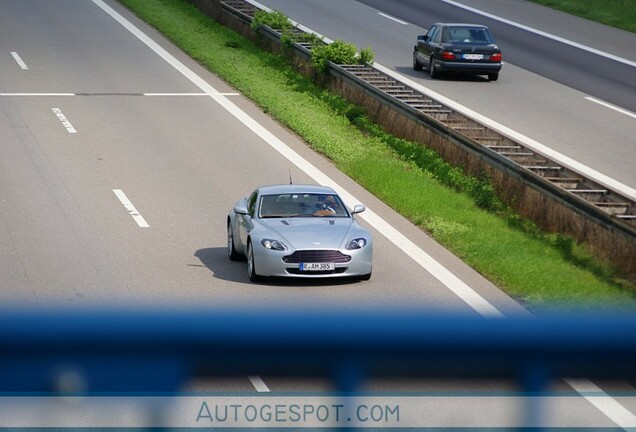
point(307, 233)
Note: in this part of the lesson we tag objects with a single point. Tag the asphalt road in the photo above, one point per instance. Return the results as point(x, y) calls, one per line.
point(90, 108)
point(544, 88)
point(180, 158)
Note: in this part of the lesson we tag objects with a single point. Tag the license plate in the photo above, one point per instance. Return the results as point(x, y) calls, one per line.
point(317, 266)
point(473, 56)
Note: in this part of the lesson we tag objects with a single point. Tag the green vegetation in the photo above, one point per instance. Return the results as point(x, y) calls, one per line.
point(276, 20)
point(338, 52)
point(279, 21)
point(462, 213)
point(616, 13)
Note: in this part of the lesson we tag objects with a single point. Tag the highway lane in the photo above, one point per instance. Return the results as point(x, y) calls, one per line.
point(180, 158)
point(534, 104)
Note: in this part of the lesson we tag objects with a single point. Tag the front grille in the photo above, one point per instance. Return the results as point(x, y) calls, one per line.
point(316, 256)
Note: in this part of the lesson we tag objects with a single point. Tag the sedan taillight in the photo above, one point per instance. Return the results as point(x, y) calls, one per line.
point(448, 55)
point(496, 57)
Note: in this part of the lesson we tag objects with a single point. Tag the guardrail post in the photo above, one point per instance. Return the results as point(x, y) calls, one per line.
point(349, 377)
point(534, 380)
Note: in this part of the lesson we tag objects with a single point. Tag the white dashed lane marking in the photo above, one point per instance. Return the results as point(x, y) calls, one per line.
point(612, 107)
point(19, 60)
point(131, 208)
point(67, 124)
point(258, 384)
point(392, 18)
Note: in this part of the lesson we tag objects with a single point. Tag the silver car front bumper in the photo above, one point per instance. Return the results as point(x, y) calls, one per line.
point(270, 262)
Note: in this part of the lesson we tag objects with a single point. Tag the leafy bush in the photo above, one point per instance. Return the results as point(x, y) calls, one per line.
point(339, 52)
point(276, 20)
point(366, 56)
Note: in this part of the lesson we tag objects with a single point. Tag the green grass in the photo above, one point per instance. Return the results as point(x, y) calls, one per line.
point(541, 270)
point(616, 13)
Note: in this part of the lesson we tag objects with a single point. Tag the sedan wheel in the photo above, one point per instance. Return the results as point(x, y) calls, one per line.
point(432, 70)
point(416, 63)
point(231, 250)
point(251, 268)
point(493, 76)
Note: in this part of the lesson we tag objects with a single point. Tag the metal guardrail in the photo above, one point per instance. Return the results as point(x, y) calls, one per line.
point(588, 198)
point(87, 356)
point(157, 350)
point(584, 195)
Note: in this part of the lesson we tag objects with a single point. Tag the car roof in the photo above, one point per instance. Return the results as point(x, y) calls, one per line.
point(295, 189)
point(439, 24)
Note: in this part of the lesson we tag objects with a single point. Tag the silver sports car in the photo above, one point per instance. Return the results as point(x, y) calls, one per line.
point(298, 231)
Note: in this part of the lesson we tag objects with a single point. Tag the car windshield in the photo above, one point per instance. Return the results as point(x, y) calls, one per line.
point(301, 205)
point(467, 35)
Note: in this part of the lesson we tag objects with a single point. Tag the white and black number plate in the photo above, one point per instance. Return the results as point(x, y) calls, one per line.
point(317, 266)
point(473, 56)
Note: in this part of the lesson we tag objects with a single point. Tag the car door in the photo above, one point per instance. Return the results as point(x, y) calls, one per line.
point(427, 45)
point(245, 224)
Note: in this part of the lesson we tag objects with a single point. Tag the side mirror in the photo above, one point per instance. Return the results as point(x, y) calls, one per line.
point(422, 38)
point(358, 208)
point(240, 209)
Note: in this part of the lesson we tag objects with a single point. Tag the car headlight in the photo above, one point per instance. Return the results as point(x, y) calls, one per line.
point(358, 243)
point(273, 244)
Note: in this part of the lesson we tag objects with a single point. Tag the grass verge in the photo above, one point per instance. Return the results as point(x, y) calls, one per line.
point(541, 270)
point(616, 13)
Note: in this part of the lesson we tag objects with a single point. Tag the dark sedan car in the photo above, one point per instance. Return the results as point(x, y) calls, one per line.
point(464, 48)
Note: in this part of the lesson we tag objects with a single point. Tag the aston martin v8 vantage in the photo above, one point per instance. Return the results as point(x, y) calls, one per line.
point(302, 231)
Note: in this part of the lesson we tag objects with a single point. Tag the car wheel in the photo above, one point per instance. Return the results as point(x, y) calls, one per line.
point(416, 63)
point(432, 70)
point(232, 254)
point(251, 268)
point(493, 76)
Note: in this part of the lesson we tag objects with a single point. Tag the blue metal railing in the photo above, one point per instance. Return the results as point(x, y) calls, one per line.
point(150, 350)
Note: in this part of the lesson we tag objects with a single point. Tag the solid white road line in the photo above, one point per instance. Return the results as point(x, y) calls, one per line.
point(36, 94)
point(19, 61)
point(131, 208)
point(604, 403)
point(445, 276)
point(258, 384)
point(187, 94)
point(392, 18)
point(67, 124)
point(612, 107)
point(114, 94)
point(542, 33)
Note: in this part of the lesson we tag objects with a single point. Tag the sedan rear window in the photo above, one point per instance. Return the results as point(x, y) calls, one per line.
point(468, 35)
